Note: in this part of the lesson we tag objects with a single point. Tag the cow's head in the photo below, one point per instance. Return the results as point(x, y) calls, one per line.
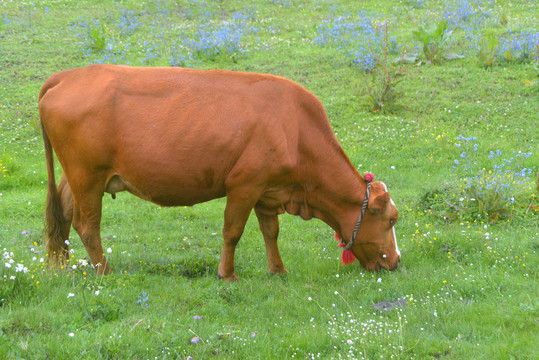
point(375, 245)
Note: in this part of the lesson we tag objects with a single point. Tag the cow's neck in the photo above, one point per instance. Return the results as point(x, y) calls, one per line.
point(333, 189)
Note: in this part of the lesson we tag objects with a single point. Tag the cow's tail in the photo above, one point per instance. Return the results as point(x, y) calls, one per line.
point(54, 219)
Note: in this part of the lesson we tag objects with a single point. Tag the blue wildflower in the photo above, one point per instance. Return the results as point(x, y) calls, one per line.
point(143, 299)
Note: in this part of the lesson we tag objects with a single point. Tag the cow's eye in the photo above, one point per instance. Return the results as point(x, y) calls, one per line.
point(392, 222)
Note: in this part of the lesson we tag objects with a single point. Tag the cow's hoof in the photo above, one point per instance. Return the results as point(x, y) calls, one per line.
point(278, 270)
point(103, 270)
point(232, 278)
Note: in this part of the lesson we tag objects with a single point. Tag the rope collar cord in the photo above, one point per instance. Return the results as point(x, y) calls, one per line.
point(347, 255)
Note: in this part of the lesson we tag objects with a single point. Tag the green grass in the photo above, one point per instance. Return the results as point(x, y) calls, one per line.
point(470, 283)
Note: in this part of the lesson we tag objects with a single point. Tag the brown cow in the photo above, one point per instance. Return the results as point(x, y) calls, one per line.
point(180, 137)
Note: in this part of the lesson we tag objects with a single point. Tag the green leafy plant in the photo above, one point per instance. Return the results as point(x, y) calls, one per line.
point(97, 37)
point(434, 40)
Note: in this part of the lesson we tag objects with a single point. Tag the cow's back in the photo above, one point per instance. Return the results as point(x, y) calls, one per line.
point(174, 135)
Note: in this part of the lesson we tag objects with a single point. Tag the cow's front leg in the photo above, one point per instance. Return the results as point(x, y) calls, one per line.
point(236, 214)
point(269, 225)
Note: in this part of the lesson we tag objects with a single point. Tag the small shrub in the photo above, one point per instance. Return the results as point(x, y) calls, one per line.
point(478, 193)
point(381, 93)
point(476, 201)
point(488, 50)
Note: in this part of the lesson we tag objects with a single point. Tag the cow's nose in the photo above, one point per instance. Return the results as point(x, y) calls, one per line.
point(396, 263)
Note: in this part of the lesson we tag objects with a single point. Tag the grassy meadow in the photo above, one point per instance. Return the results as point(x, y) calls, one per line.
point(451, 129)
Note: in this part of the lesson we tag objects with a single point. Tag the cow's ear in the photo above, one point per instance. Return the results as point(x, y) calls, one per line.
point(379, 203)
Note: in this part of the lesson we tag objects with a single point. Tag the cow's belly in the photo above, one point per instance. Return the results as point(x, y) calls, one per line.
point(165, 193)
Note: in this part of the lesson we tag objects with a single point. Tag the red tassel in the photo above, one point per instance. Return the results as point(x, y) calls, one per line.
point(347, 256)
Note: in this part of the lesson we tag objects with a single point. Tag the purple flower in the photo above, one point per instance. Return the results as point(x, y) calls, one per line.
point(195, 340)
point(197, 317)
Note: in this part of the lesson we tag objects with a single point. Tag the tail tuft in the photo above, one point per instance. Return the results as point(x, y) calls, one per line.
point(57, 249)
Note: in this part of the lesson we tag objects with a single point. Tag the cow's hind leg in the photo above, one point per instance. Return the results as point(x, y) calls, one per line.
point(269, 225)
point(87, 222)
point(237, 212)
point(58, 246)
